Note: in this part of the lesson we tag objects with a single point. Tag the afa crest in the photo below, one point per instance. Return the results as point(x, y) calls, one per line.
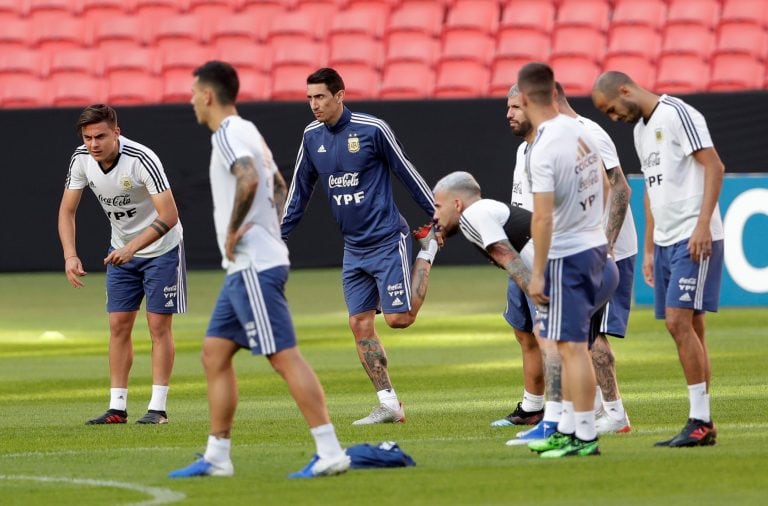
point(353, 143)
point(659, 135)
point(125, 183)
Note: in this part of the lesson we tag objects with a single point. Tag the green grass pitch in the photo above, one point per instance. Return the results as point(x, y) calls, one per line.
point(456, 369)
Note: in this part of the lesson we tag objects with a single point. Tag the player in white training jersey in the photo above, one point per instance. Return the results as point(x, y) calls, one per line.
point(251, 311)
point(619, 226)
point(683, 247)
point(569, 281)
point(146, 254)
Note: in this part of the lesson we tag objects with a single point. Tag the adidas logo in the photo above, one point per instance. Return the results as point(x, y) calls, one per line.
point(321, 149)
point(169, 303)
point(685, 297)
point(397, 302)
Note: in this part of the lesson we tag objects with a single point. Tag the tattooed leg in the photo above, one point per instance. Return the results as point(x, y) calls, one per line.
point(552, 370)
point(370, 350)
point(605, 368)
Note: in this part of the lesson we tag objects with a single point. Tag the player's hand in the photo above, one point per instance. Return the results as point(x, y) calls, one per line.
point(648, 269)
point(536, 290)
point(700, 243)
point(233, 238)
point(439, 236)
point(73, 268)
point(119, 256)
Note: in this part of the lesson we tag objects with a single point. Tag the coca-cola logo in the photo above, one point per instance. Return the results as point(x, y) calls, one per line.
point(347, 180)
point(116, 201)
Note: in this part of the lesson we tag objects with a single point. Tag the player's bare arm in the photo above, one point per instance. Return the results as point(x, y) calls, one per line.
point(73, 267)
point(247, 180)
point(505, 255)
point(541, 233)
point(700, 243)
point(167, 217)
point(280, 194)
point(618, 204)
point(648, 247)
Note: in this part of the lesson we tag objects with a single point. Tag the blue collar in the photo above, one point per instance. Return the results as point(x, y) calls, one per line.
point(344, 120)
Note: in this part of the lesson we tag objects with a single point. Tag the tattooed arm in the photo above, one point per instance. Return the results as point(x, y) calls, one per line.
point(280, 194)
point(247, 179)
point(618, 204)
point(505, 256)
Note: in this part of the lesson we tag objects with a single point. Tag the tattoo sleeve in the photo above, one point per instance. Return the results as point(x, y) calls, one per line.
point(618, 204)
point(247, 178)
point(507, 257)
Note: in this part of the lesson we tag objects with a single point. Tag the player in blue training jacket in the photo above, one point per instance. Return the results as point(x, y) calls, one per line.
point(351, 155)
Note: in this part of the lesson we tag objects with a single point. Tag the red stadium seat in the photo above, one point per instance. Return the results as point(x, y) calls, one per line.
point(525, 15)
point(480, 16)
point(641, 69)
point(255, 57)
point(733, 72)
point(634, 40)
point(233, 31)
point(76, 62)
point(681, 74)
point(412, 47)
point(650, 13)
point(694, 12)
point(139, 89)
point(468, 46)
point(741, 38)
point(594, 14)
point(12, 9)
point(382, 8)
point(65, 33)
point(98, 11)
point(304, 53)
point(178, 32)
point(176, 89)
point(263, 12)
point(745, 11)
point(155, 10)
point(424, 16)
point(120, 35)
point(14, 34)
point(76, 91)
point(128, 65)
point(407, 80)
point(534, 46)
point(24, 62)
point(695, 40)
point(360, 82)
point(212, 10)
point(577, 75)
point(359, 20)
point(254, 86)
point(457, 79)
point(504, 75)
point(358, 49)
point(296, 25)
point(585, 43)
point(290, 83)
point(24, 92)
point(52, 9)
point(183, 60)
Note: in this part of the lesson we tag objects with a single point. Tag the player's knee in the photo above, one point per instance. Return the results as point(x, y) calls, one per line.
point(678, 326)
point(361, 325)
point(527, 340)
point(399, 320)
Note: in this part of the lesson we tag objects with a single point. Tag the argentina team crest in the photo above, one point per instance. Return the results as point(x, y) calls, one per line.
point(125, 183)
point(659, 135)
point(353, 143)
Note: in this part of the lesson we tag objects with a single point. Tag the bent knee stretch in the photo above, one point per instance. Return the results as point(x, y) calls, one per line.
point(399, 320)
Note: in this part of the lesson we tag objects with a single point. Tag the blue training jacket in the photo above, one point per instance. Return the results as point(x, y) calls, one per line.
point(352, 161)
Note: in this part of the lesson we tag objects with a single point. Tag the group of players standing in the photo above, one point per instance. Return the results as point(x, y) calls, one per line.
point(562, 297)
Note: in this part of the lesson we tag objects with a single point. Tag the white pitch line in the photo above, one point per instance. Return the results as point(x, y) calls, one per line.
point(159, 495)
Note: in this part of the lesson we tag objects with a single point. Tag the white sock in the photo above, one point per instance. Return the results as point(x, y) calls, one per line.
point(699, 399)
point(326, 442)
point(532, 402)
point(598, 399)
point(118, 398)
point(567, 423)
point(585, 425)
point(615, 409)
point(217, 451)
point(388, 397)
point(553, 411)
point(159, 396)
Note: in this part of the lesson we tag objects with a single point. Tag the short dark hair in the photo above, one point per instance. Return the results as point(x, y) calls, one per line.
point(609, 82)
point(328, 77)
point(222, 77)
point(561, 98)
point(96, 113)
point(537, 81)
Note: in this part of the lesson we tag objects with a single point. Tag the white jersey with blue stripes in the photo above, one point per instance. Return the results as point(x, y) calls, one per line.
point(674, 179)
point(261, 247)
point(125, 193)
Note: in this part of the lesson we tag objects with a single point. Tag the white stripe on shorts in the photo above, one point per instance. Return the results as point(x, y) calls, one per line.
point(698, 297)
point(259, 309)
point(556, 298)
point(604, 320)
point(181, 286)
point(404, 260)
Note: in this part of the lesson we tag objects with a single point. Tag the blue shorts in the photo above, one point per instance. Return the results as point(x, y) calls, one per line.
point(252, 311)
point(616, 314)
point(162, 279)
point(378, 278)
point(680, 282)
point(578, 287)
point(520, 311)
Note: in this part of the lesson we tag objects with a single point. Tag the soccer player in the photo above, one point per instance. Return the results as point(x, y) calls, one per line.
point(622, 246)
point(351, 155)
point(251, 311)
point(568, 281)
point(145, 257)
point(520, 310)
point(683, 247)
